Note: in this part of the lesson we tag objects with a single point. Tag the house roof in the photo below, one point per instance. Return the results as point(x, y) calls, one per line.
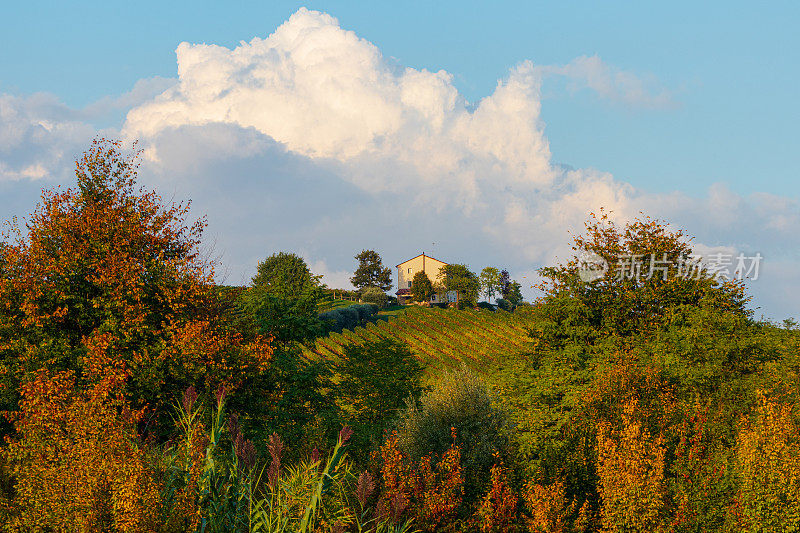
point(420, 255)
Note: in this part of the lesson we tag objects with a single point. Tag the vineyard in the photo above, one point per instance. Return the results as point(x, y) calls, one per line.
point(441, 338)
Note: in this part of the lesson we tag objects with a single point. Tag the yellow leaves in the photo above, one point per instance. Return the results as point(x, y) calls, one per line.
point(768, 469)
point(76, 459)
point(548, 508)
point(498, 511)
point(630, 468)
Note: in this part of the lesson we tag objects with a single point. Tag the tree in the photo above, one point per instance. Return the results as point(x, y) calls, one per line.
point(646, 276)
point(283, 300)
point(504, 283)
point(371, 272)
point(630, 468)
point(421, 287)
point(376, 379)
point(465, 283)
point(284, 275)
point(490, 282)
point(514, 293)
point(374, 295)
point(106, 279)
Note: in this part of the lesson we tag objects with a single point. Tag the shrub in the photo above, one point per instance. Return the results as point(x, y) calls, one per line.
point(77, 462)
point(630, 468)
point(366, 311)
point(458, 401)
point(486, 305)
point(429, 489)
point(504, 304)
point(767, 465)
point(348, 317)
point(374, 295)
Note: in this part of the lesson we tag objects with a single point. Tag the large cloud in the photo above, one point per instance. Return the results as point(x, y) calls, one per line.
point(422, 164)
point(310, 140)
point(332, 97)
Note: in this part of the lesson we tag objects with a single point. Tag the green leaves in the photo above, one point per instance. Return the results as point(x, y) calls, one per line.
point(374, 381)
point(459, 278)
point(371, 272)
point(421, 287)
point(284, 298)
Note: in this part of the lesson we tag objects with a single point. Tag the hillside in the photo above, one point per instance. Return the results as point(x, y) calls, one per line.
point(439, 337)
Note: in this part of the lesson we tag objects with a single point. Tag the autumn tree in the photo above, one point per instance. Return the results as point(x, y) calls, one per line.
point(630, 468)
point(77, 460)
point(371, 272)
point(106, 279)
point(637, 274)
point(767, 466)
point(421, 287)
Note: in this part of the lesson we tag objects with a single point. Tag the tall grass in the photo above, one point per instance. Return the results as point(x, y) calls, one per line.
point(213, 483)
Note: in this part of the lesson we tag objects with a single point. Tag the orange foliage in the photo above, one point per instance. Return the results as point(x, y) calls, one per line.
point(77, 461)
point(630, 468)
point(432, 494)
point(498, 511)
point(105, 302)
point(106, 279)
point(768, 470)
point(548, 508)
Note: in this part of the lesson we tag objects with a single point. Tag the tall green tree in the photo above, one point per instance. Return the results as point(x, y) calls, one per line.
point(371, 272)
point(463, 281)
point(490, 282)
point(375, 381)
point(283, 300)
point(514, 293)
point(421, 287)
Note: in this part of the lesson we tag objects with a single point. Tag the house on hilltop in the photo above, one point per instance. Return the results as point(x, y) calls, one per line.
point(421, 263)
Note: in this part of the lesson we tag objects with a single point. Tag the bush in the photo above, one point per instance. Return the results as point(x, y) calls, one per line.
point(77, 460)
point(459, 400)
point(504, 304)
point(486, 305)
point(366, 311)
point(348, 317)
point(375, 296)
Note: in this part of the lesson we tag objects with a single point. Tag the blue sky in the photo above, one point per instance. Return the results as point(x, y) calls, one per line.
point(732, 67)
point(716, 107)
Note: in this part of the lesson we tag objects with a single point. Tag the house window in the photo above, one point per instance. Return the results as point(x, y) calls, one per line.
point(409, 271)
point(409, 284)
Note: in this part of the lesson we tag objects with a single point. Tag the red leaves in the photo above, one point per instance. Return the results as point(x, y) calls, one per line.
point(432, 493)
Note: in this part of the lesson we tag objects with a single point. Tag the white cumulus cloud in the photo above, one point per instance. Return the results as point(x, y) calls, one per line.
point(310, 140)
